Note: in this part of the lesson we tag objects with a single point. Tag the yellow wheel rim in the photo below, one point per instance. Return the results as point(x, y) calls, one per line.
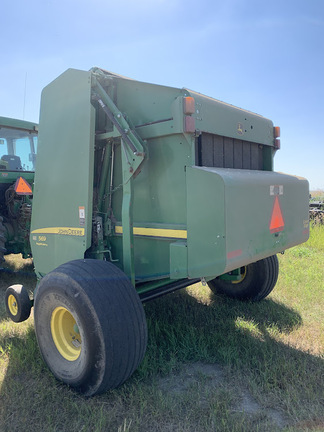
point(65, 334)
point(242, 277)
point(12, 304)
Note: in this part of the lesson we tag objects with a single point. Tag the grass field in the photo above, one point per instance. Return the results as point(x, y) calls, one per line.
point(212, 364)
point(317, 194)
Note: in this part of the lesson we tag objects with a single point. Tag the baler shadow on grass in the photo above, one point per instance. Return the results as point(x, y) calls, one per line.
point(242, 340)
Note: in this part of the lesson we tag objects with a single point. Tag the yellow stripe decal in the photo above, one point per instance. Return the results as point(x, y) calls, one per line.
point(155, 232)
point(79, 232)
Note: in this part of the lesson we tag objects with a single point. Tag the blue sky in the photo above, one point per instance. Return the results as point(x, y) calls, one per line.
point(264, 56)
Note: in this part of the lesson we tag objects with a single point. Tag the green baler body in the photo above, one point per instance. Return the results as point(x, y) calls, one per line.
point(199, 199)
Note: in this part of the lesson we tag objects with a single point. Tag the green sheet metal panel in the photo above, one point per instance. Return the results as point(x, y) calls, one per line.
point(178, 260)
point(153, 110)
point(205, 223)
point(214, 116)
point(236, 217)
point(62, 206)
point(159, 204)
point(145, 103)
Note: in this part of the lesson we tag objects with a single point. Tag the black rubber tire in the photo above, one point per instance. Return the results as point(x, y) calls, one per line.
point(3, 250)
point(110, 319)
point(259, 280)
point(20, 311)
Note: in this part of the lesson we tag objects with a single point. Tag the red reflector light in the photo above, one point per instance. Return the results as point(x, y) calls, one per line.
point(276, 132)
point(277, 144)
point(188, 105)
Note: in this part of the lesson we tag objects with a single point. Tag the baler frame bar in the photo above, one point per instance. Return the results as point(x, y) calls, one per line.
point(132, 157)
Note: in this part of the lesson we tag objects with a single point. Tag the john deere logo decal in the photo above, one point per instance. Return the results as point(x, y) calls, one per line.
point(240, 129)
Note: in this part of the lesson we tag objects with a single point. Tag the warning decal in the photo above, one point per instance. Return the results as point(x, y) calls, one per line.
point(82, 216)
point(276, 190)
point(277, 222)
point(22, 187)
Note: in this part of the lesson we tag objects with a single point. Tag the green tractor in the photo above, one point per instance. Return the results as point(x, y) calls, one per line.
point(18, 145)
point(140, 190)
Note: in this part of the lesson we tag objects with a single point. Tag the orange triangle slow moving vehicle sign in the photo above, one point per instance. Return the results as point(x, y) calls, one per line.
point(277, 222)
point(22, 187)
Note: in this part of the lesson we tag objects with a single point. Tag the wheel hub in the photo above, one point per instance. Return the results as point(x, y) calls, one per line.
point(12, 305)
point(242, 274)
point(65, 333)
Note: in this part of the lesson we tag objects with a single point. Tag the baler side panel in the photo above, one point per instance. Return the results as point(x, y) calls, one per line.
point(155, 113)
point(206, 223)
point(216, 117)
point(62, 207)
point(159, 204)
point(236, 217)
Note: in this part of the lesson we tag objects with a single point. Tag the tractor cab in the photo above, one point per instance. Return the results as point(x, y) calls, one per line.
point(18, 145)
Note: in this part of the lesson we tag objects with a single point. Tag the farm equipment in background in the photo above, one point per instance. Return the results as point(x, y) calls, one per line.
point(316, 211)
point(140, 190)
point(18, 145)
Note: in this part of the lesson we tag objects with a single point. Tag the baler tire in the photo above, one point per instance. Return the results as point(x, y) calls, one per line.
point(258, 281)
point(3, 250)
point(90, 325)
point(18, 304)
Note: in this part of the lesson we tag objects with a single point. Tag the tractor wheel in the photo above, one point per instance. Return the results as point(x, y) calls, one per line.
point(18, 304)
point(90, 325)
point(257, 281)
point(3, 250)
